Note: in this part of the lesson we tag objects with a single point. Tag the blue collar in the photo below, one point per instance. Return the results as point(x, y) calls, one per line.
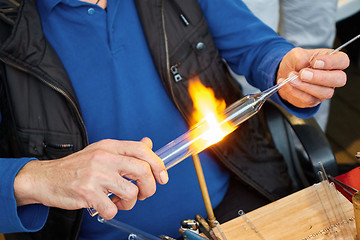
point(45, 7)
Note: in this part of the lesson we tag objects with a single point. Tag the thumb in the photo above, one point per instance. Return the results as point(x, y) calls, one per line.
point(147, 141)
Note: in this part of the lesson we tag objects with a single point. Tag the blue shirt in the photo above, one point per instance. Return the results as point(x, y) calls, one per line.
point(121, 97)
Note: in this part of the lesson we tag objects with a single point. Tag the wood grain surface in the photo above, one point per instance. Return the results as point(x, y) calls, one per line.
point(304, 215)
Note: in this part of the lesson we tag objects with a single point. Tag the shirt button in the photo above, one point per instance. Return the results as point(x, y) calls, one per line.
point(200, 46)
point(91, 11)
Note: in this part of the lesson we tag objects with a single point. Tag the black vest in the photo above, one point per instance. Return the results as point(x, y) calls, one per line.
point(41, 117)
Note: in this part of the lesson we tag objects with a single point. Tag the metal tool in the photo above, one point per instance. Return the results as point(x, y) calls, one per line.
point(166, 238)
point(190, 224)
point(348, 189)
point(191, 235)
point(205, 228)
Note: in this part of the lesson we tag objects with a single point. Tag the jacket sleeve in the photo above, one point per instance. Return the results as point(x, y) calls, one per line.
point(249, 46)
point(27, 218)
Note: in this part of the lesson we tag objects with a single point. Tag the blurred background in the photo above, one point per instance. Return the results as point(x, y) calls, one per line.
point(323, 24)
point(343, 127)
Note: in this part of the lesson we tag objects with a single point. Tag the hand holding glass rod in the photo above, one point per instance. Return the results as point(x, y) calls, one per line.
point(289, 79)
point(196, 139)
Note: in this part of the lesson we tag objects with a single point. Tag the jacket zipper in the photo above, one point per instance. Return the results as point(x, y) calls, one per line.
point(61, 91)
point(174, 70)
point(181, 15)
point(167, 58)
point(61, 146)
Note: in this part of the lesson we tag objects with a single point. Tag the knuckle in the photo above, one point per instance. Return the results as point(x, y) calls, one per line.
point(129, 204)
point(96, 155)
point(329, 94)
point(142, 148)
point(152, 190)
point(148, 191)
point(321, 77)
point(144, 169)
point(132, 192)
point(85, 191)
point(107, 211)
point(105, 142)
point(147, 142)
point(310, 102)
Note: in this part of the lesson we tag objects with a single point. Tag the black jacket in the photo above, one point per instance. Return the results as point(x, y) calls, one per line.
point(41, 116)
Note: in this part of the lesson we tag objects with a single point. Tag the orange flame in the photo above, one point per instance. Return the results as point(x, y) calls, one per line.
point(208, 112)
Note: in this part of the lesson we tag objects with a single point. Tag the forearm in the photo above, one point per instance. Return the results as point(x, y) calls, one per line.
point(250, 47)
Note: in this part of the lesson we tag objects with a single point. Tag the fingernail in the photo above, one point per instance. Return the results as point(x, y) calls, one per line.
point(164, 178)
point(307, 75)
point(319, 64)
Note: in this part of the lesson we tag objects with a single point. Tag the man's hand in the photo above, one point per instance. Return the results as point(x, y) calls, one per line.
point(319, 75)
point(84, 179)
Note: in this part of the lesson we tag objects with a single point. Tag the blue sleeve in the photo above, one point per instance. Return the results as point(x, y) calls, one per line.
point(249, 46)
point(27, 218)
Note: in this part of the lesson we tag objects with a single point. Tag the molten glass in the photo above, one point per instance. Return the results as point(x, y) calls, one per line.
point(208, 113)
point(210, 131)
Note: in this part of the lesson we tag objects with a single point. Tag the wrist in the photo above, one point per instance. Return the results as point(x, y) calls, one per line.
point(24, 184)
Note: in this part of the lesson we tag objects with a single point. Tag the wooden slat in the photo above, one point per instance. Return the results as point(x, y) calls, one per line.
point(299, 216)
